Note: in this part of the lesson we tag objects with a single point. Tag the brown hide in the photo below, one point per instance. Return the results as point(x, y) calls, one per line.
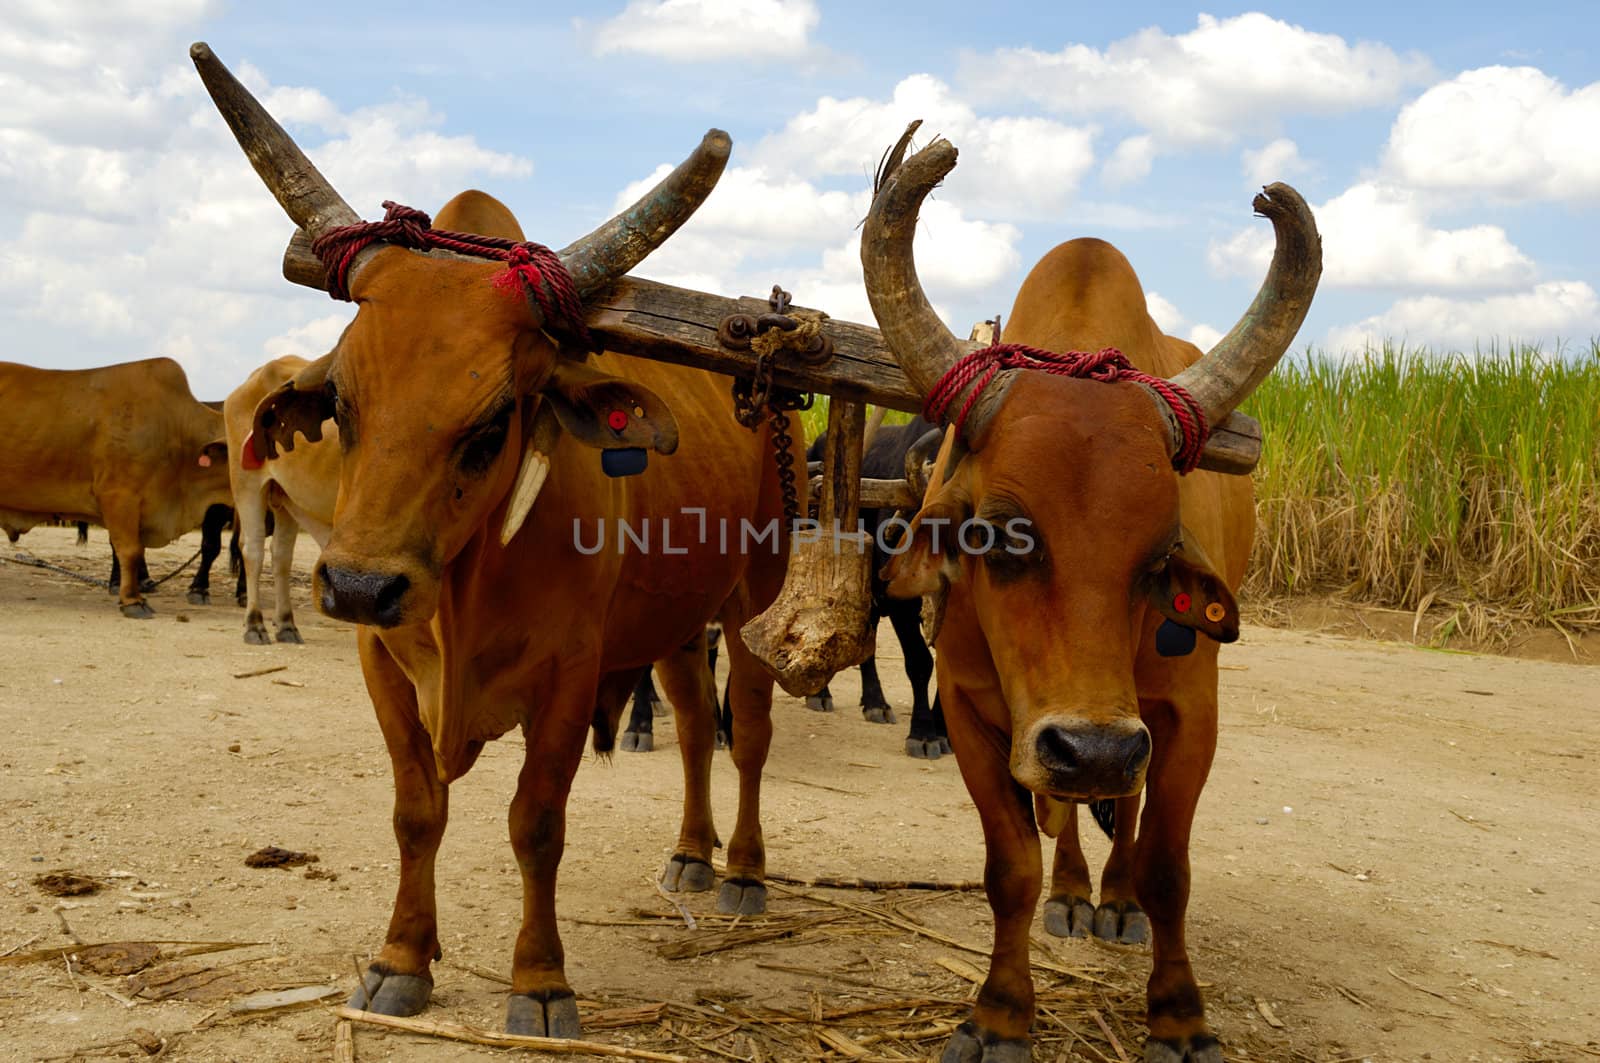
point(298, 486)
point(119, 446)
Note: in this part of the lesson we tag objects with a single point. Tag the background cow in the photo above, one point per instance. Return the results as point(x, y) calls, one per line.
point(126, 446)
point(296, 489)
point(1067, 662)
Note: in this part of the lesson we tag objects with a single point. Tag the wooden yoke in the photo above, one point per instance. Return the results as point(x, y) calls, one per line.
point(820, 623)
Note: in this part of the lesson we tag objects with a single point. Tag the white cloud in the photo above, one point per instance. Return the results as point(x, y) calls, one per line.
point(701, 30)
point(1514, 132)
point(1170, 319)
point(1545, 314)
point(1011, 167)
point(133, 222)
point(1376, 235)
point(1276, 161)
point(1130, 161)
point(1223, 78)
point(311, 340)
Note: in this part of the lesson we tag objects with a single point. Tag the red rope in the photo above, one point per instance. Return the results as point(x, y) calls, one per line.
point(537, 268)
point(1107, 366)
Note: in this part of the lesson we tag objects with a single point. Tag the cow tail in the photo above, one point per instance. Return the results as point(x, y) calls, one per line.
point(1105, 814)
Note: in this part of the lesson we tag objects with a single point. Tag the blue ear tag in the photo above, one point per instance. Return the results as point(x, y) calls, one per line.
point(626, 461)
point(1174, 640)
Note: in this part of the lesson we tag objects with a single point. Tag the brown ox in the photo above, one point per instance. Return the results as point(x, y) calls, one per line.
point(443, 389)
point(124, 446)
point(1048, 668)
point(298, 486)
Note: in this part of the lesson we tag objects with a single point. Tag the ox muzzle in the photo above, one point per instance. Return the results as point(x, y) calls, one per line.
point(1082, 761)
point(376, 598)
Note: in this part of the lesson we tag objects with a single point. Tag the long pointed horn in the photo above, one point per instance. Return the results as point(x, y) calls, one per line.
point(305, 195)
point(921, 343)
point(622, 243)
point(1242, 359)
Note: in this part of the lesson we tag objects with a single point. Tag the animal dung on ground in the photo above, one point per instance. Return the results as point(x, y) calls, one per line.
point(67, 883)
point(272, 856)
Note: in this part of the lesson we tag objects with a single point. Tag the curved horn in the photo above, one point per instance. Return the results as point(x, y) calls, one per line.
point(921, 343)
point(1225, 377)
point(622, 243)
point(305, 195)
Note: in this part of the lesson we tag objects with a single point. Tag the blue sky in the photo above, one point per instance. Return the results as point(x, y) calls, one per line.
point(1451, 154)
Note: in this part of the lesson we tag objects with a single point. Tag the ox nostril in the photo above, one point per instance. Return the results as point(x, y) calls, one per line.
point(1057, 750)
point(391, 596)
point(1138, 755)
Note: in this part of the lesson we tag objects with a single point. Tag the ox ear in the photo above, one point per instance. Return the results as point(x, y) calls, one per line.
point(300, 405)
point(213, 453)
point(925, 560)
point(608, 412)
point(1188, 591)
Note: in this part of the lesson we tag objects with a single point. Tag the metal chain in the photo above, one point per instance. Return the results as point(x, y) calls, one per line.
point(756, 399)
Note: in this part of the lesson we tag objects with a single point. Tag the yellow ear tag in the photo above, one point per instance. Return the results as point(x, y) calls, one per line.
point(1215, 612)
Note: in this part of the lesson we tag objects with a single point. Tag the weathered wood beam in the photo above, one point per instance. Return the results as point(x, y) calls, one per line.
point(679, 325)
point(881, 494)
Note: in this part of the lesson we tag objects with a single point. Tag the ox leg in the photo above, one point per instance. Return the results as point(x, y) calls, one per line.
point(251, 527)
point(749, 696)
point(1119, 917)
point(83, 533)
point(821, 701)
point(997, 1032)
point(542, 1003)
point(210, 547)
point(693, 693)
point(1184, 739)
point(874, 706)
point(236, 565)
point(1068, 912)
point(121, 513)
point(927, 739)
point(640, 735)
point(399, 981)
point(286, 530)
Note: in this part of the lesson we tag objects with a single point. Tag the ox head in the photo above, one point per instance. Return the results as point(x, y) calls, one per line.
point(1052, 522)
point(449, 391)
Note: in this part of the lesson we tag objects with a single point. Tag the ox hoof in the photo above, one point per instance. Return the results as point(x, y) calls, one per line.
point(879, 715)
point(391, 994)
point(147, 586)
point(820, 702)
point(973, 1044)
point(290, 633)
point(137, 611)
point(1068, 917)
point(199, 597)
point(256, 636)
point(742, 896)
point(550, 1013)
point(638, 741)
point(1123, 923)
point(242, 600)
point(724, 740)
point(927, 748)
point(1201, 1048)
point(685, 874)
point(658, 708)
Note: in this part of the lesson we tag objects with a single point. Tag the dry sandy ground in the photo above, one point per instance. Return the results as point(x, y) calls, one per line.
point(1396, 853)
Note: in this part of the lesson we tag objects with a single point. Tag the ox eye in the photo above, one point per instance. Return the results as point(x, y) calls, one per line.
point(485, 445)
point(1017, 549)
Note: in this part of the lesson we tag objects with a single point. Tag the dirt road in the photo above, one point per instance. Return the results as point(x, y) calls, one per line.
point(1396, 857)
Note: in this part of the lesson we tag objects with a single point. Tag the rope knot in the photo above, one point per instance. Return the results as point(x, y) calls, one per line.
point(1106, 366)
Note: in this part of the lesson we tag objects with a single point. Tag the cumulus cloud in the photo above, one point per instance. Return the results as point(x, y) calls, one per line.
point(138, 227)
point(1376, 235)
point(1513, 132)
point(757, 229)
point(1130, 161)
point(1275, 161)
point(1170, 319)
point(1545, 314)
point(1223, 78)
point(698, 30)
point(1011, 167)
